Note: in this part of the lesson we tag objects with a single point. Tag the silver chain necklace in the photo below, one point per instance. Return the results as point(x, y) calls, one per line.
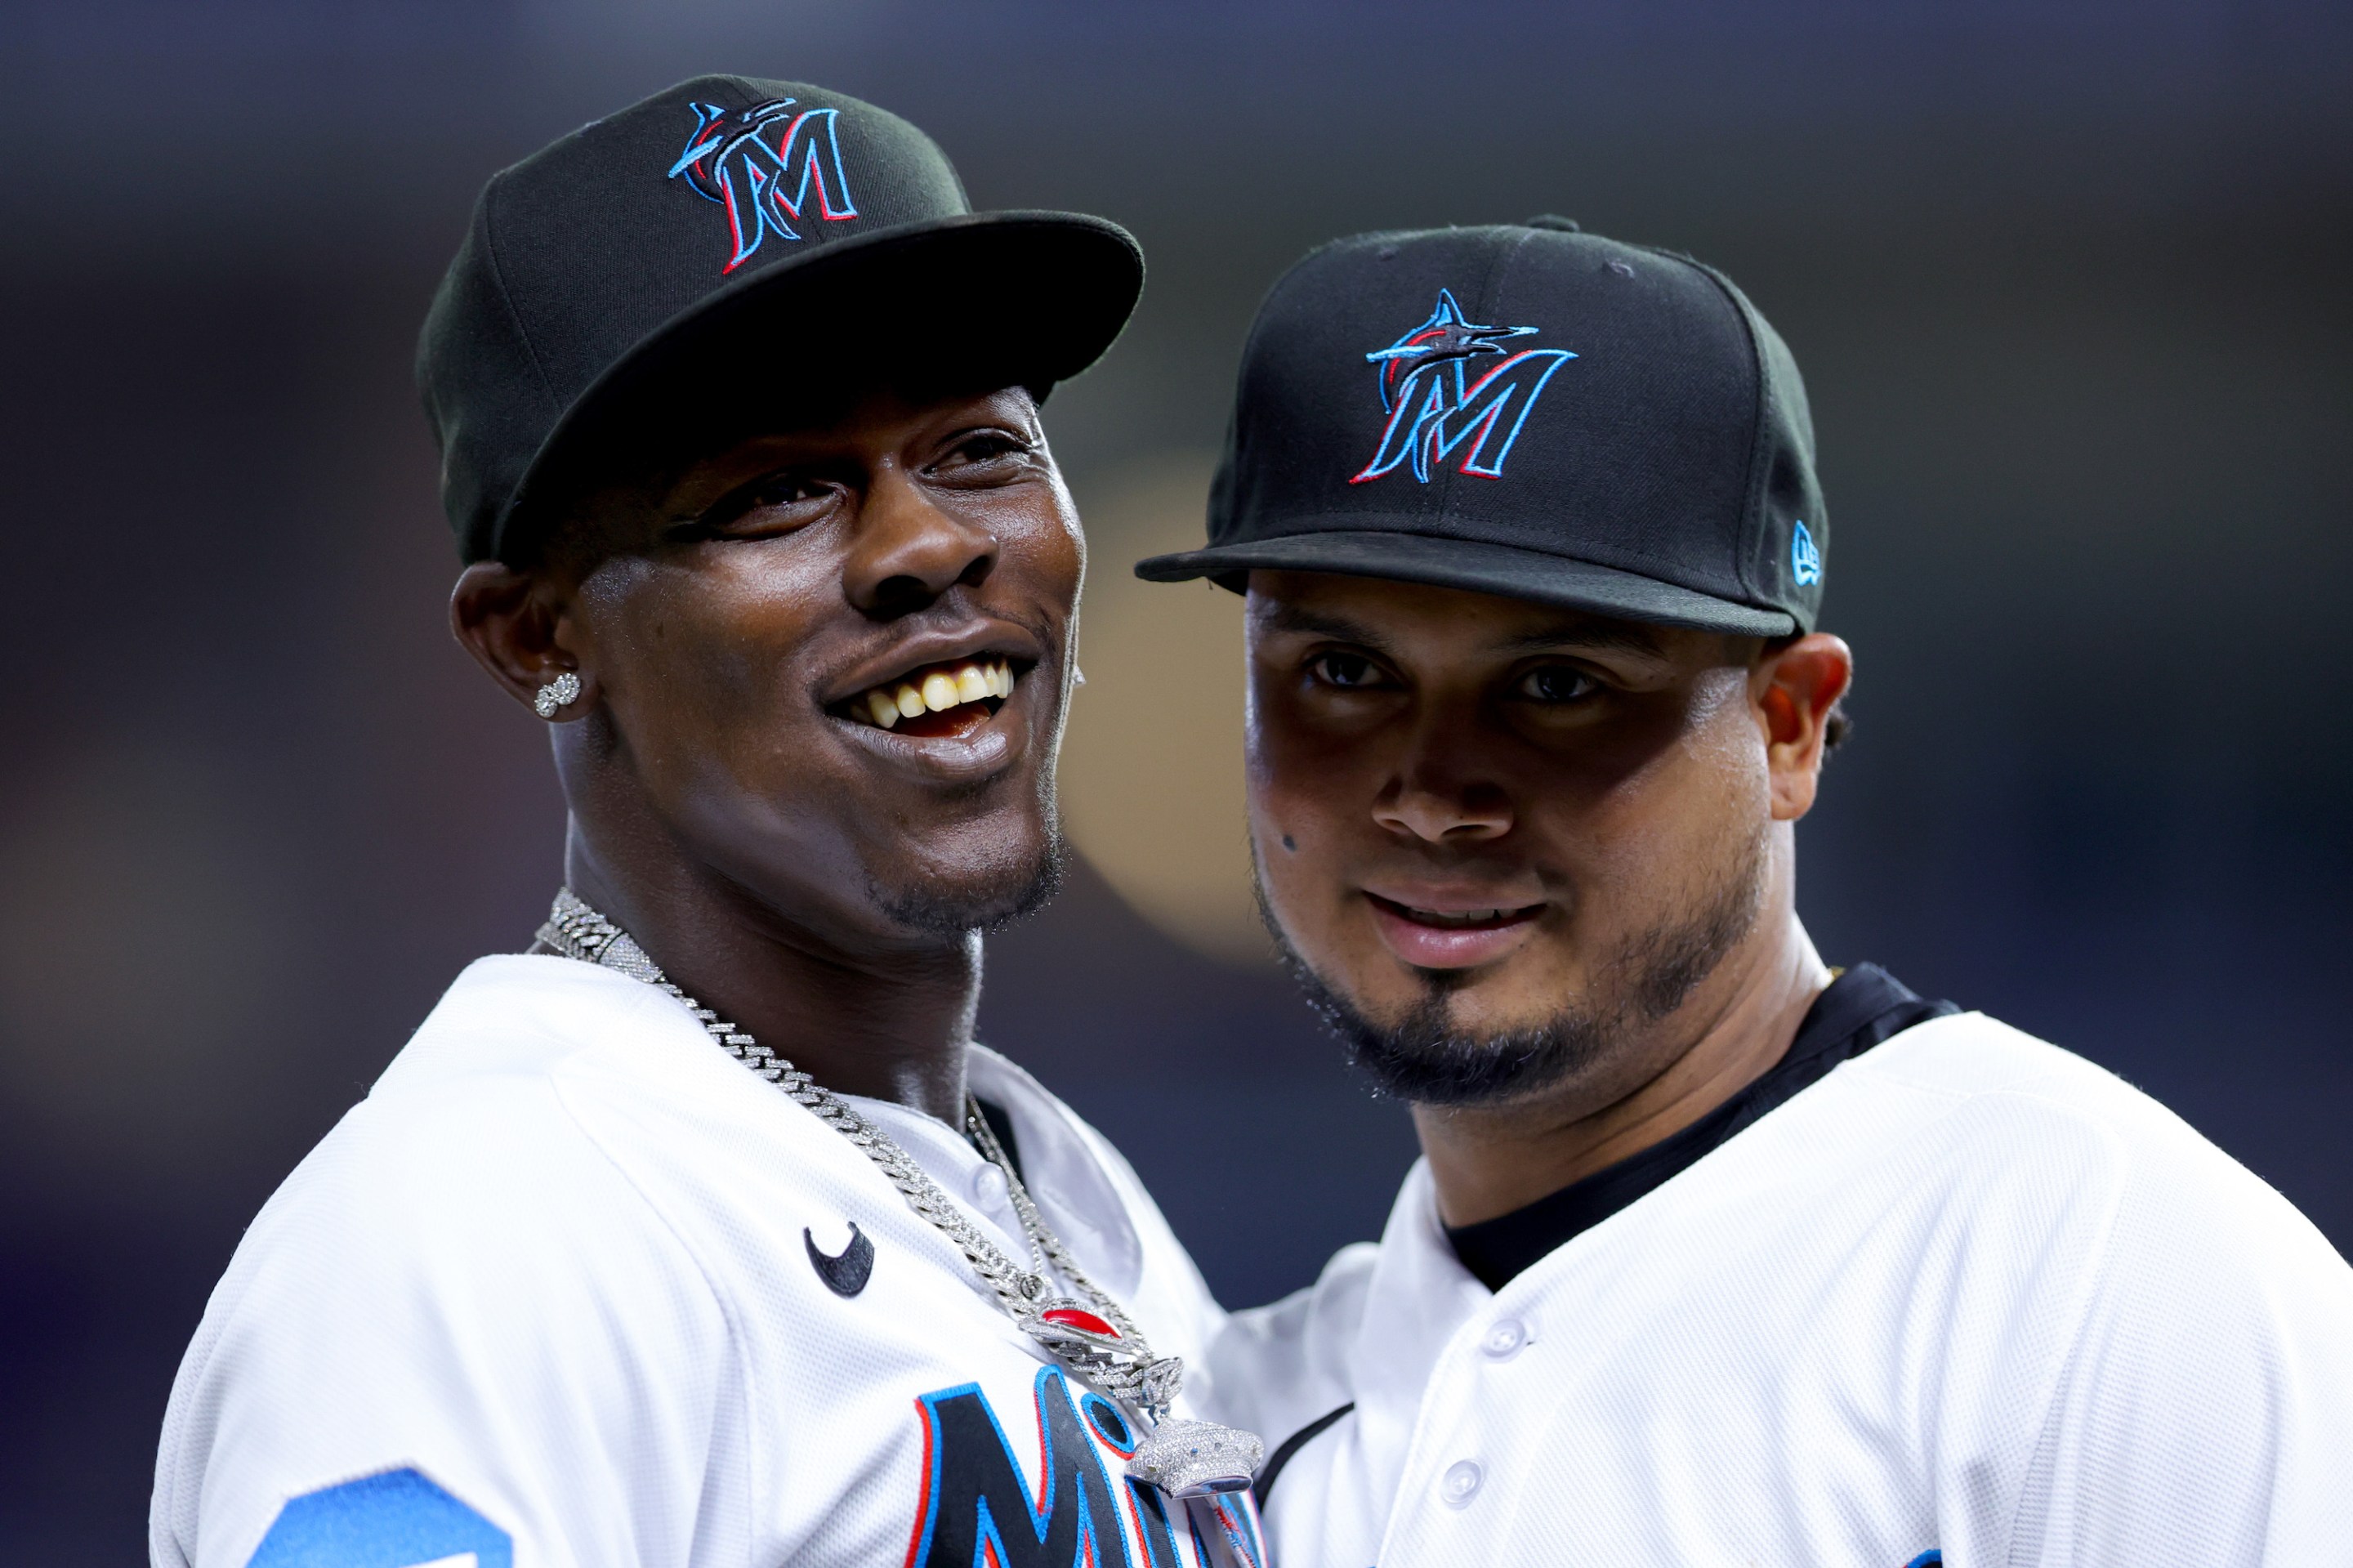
point(1093, 1336)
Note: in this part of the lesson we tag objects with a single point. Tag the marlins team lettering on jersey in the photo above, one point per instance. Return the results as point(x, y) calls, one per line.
point(572, 1287)
point(1082, 1517)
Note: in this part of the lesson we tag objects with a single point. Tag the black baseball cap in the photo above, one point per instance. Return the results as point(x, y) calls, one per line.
point(1528, 410)
point(726, 245)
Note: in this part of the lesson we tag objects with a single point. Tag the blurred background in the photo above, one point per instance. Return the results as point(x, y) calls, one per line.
point(2068, 282)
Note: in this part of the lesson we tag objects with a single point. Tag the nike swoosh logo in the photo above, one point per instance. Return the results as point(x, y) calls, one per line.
point(847, 1273)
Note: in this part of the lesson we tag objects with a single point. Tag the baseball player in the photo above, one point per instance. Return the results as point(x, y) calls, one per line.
point(703, 1234)
point(1715, 1254)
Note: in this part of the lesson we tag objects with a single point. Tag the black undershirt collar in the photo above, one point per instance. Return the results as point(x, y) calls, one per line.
point(1862, 1008)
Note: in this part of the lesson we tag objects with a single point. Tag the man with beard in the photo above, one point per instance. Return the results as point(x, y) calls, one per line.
point(703, 1233)
point(1715, 1253)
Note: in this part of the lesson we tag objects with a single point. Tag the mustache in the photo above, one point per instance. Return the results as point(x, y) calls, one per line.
point(1424, 1056)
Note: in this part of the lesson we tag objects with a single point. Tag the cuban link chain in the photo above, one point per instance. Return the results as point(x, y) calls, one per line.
point(1181, 1457)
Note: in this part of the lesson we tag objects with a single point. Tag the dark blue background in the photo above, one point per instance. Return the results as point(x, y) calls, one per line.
point(2068, 282)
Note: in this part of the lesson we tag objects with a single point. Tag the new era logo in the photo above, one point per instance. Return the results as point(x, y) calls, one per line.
point(1805, 558)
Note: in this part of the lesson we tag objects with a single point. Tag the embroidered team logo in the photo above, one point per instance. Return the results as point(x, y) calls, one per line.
point(1435, 405)
point(765, 165)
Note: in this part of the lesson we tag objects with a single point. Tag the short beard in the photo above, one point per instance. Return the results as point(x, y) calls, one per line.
point(953, 912)
point(1424, 1058)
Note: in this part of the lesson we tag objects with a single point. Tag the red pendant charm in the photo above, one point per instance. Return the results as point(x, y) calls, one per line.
point(1078, 1317)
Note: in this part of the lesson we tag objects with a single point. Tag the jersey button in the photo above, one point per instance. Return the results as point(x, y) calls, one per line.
point(1504, 1336)
point(989, 1188)
point(1461, 1483)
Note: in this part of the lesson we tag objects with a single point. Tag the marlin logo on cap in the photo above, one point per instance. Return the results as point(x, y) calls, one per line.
point(1435, 406)
point(765, 185)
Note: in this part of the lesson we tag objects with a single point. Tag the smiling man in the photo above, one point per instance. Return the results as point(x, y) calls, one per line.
point(1715, 1253)
point(703, 1233)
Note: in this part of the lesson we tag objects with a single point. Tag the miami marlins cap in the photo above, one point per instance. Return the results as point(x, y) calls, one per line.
point(731, 244)
point(1525, 410)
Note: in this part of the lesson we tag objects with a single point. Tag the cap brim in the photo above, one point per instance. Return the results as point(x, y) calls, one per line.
point(1478, 567)
point(973, 302)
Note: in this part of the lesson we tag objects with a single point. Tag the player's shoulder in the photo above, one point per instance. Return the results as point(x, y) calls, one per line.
point(511, 1019)
point(2036, 1109)
point(2201, 1299)
point(474, 1106)
point(2036, 1092)
point(468, 1148)
point(457, 1249)
point(1970, 1054)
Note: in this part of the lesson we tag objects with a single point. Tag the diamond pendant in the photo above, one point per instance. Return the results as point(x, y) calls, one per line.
point(1196, 1458)
point(1066, 1326)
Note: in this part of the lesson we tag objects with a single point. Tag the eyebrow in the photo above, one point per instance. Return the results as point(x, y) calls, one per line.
point(1625, 637)
point(1283, 616)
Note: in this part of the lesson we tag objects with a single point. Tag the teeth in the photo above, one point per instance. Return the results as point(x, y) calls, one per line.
point(1466, 917)
point(937, 691)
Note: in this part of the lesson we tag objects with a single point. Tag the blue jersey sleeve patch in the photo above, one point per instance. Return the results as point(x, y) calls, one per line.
point(393, 1520)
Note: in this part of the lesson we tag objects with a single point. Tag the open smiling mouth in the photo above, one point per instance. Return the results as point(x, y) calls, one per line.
point(936, 702)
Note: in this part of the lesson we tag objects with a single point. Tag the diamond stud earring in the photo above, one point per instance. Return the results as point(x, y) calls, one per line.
point(564, 688)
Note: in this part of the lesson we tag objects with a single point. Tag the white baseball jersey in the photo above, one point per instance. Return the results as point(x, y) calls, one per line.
point(1968, 1299)
point(571, 1286)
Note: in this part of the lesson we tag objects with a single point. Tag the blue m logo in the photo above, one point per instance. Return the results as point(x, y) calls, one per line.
point(765, 183)
point(1435, 407)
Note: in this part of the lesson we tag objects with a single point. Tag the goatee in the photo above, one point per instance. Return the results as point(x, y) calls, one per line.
point(986, 905)
point(1426, 1057)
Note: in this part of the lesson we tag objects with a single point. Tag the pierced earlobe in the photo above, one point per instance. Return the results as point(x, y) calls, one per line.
point(557, 693)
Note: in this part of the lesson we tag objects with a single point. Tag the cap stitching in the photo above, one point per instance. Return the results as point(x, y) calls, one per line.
point(1502, 258)
point(1752, 491)
point(506, 299)
point(530, 352)
point(1292, 279)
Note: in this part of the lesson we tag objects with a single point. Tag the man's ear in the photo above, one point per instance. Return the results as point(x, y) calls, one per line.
point(513, 624)
point(1794, 688)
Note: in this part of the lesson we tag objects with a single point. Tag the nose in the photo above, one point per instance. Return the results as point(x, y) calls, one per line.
point(910, 550)
point(1437, 798)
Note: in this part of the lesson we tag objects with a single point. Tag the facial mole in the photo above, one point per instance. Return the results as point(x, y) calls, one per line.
point(1288, 843)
